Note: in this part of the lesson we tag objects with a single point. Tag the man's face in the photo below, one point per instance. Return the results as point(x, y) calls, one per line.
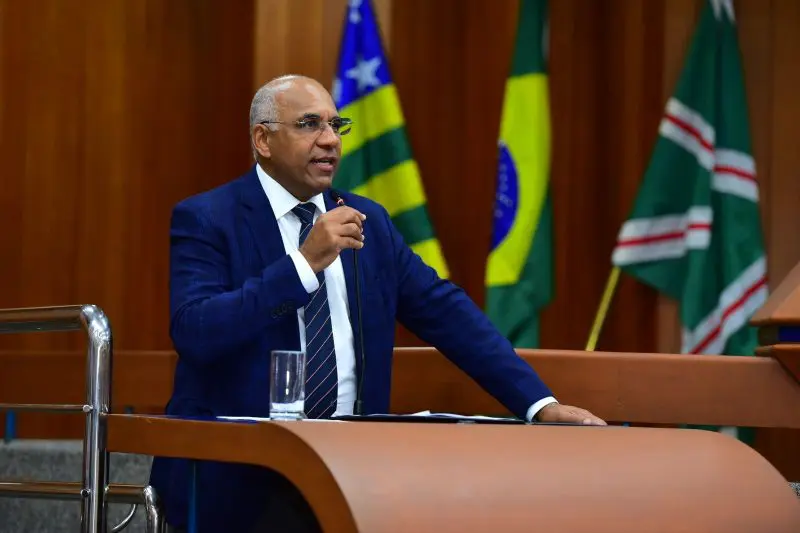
point(302, 157)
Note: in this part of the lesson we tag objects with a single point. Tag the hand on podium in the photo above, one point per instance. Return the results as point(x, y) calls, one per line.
point(556, 412)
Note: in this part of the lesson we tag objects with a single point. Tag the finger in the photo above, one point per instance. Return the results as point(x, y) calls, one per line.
point(351, 219)
point(349, 242)
point(348, 214)
point(588, 418)
point(576, 415)
point(334, 220)
point(351, 229)
point(347, 211)
point(592, 420)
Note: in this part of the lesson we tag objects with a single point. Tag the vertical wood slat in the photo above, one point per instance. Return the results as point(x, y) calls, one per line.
point(629, 107)
point(303, 37)
point(785, 157)
point(576, 62)
point(778, 119)
point(680, 22)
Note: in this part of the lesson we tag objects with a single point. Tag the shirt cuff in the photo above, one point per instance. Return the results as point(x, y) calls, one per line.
point(304, 270)
point(535, 408)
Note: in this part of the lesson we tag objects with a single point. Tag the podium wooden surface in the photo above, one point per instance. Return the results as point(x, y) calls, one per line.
point(400, 477)
point(783, 304)
point(779, 325)
point(633, 387)
point(649, 388)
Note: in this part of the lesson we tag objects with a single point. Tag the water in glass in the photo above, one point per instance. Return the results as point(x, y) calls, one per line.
point(287, 385)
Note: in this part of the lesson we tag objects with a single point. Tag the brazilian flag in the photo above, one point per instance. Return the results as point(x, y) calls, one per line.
point(376, 157)
point(519, 273)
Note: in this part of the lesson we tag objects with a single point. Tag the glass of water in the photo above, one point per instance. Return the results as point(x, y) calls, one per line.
point(287, 387)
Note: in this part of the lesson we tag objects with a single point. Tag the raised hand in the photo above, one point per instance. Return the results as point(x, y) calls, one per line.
point(333, 231)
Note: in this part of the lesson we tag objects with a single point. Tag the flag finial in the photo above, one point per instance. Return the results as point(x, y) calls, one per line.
point(353, 14)
point(723, 7)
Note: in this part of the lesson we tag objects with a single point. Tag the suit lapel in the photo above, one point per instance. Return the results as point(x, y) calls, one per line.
point(260, 218)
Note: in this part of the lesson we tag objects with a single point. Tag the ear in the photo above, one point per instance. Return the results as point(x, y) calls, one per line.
point(260, 140)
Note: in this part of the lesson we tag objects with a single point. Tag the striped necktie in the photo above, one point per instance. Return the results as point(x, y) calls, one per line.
point(321, 376)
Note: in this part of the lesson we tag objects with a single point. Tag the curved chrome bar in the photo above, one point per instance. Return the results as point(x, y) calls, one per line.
point(98, 396)
point(125, 521)
point(154, 517)
point(98, 392)
point(28, 319)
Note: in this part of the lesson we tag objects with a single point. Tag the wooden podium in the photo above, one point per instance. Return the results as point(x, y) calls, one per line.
point(779, 324)
point(401, 477)
point(421, 477)
point(424, 477)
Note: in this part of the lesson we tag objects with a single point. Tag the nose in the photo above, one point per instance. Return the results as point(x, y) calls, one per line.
point(328, 137)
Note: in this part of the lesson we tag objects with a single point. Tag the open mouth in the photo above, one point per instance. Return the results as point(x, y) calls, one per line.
point(325, 164)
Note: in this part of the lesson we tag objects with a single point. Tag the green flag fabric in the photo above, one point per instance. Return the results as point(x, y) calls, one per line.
point(519, 272)
point(376, 156)
point(695, 230)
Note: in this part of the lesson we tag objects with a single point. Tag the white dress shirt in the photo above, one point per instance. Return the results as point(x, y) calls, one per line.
point(282, 202)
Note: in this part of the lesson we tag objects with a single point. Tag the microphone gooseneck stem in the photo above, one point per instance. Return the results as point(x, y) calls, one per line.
point(359, 408)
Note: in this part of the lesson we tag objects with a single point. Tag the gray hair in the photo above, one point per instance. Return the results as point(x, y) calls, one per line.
point(264, 105)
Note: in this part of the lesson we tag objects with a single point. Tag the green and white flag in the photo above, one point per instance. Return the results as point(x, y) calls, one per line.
point(695, 230)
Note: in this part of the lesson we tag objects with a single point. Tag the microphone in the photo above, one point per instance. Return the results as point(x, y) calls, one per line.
point(358, 408)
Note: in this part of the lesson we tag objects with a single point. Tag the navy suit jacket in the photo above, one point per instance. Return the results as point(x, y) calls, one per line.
point(234, 295)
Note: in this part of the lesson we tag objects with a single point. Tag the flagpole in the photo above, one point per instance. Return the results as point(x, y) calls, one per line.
point(602, 310)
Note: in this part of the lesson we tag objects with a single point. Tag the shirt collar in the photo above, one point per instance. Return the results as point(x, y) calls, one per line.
point(281, 200)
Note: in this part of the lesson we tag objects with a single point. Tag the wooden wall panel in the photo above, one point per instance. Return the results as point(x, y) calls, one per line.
point(780, 115)
point(604, 115)
point(755, 21)
point(784, 184)
point(578, 175)
point(451, 100)
point(303, 36)
point(111, 114)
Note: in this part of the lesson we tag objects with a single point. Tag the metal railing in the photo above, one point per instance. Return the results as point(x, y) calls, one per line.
point(94, 490)
point(134, 495)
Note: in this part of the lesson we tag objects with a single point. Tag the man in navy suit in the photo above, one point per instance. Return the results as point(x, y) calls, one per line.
point(264, 263)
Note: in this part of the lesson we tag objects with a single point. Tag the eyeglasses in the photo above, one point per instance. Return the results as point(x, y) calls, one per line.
point(340, 126)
